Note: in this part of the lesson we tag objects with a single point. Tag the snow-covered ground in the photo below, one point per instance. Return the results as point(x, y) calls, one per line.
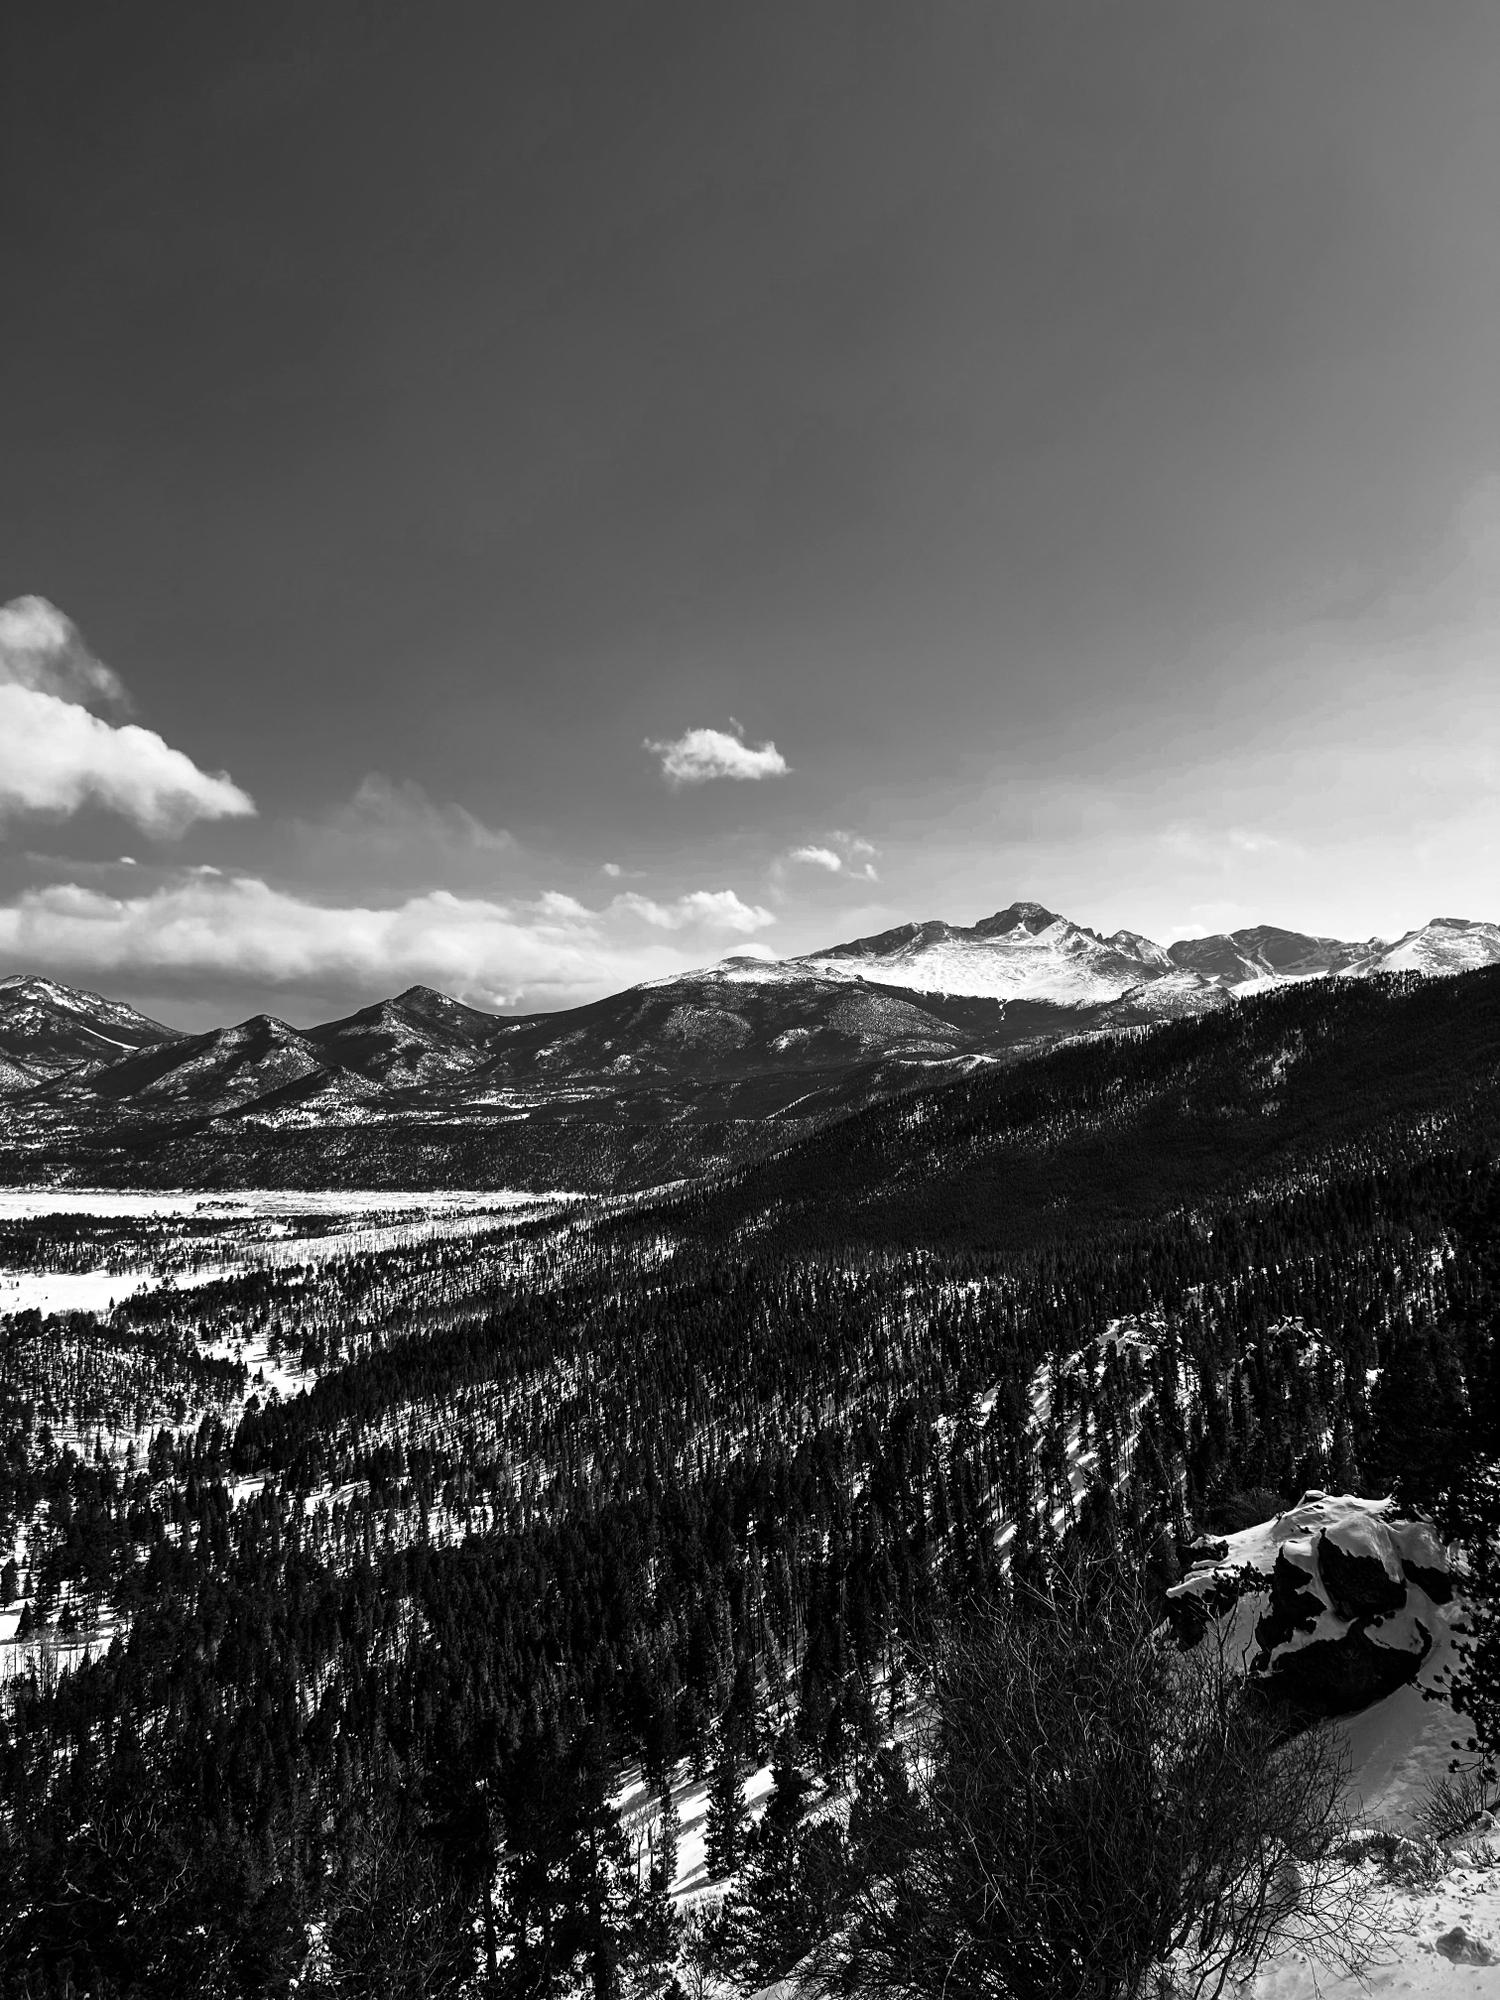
point(1399, 1748)
point(379, 1219)
point(1440, 1936)
point(638, 1810)
point(18, 1204)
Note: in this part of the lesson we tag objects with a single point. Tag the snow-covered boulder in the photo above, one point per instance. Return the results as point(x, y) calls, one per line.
point(1332, 1603)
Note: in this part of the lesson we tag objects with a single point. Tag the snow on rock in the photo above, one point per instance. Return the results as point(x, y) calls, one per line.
point(1350, 1599)
point(1028, 952)
point(1024, 952)
point(1443, 945)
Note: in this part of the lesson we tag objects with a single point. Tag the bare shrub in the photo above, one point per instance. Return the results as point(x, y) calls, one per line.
point(1100, 1817)
point(395, 1929)
point(1397, 1857)
point(1456, 1803)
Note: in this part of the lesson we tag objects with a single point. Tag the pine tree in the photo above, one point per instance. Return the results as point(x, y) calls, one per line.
point(726, 1812)
point(654, 1935)
point(668, 1833)
point(789, 1788)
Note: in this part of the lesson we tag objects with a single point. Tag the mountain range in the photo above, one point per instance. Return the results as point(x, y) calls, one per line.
point(666, 1078)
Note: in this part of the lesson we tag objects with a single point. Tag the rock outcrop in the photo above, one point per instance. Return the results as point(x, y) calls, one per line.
point(1334, 1603)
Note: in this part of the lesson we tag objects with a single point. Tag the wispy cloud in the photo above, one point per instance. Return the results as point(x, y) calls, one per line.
point(395, 812)
point(699, 755)
point(56, 756)
point(393, 833)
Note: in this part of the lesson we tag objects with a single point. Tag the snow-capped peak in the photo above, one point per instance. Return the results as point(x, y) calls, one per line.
point(47, 992)
point(49, 1028)
point(1028, 952)
point(1030, 917)
point(1441, 945)
point(1023, 952)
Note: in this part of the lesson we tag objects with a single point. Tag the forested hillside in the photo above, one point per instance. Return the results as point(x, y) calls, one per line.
point(672, 1486)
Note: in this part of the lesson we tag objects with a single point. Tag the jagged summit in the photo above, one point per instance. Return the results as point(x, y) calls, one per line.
point(1023, 952)
point(1030, 917)
point(1028, 952)
point(748, 1040)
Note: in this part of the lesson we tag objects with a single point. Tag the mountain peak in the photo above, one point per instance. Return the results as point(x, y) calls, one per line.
point(423, 996)
point(1023, 952)
point(1024, 916)
point(31, 986)
point(49, 1028)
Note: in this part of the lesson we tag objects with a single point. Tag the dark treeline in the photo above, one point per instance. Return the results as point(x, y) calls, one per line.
point(680, 1494)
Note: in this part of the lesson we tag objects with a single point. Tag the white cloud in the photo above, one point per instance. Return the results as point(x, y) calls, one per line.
point(713, 909)
point(57, 757)
point(846, 854)
point(566, 909)
point(701, 754)
point(203, 925)
point(41, 648)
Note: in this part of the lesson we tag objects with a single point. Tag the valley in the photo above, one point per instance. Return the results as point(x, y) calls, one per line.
point(491, 1531)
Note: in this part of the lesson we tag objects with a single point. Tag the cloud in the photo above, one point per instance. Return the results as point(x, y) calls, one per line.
point(203, 926)
point(847, 854)
point(57, 757)
point(701, 754)
point(392, 837)
point(42, 649)
point(565, 909)
point(1222, 846)
point(713, 909)
point(397, 812)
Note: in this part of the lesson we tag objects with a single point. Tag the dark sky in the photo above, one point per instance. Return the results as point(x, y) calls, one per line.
point(1069, 434)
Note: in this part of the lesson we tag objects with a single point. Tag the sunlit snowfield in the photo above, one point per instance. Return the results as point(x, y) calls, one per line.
point(181, 1238)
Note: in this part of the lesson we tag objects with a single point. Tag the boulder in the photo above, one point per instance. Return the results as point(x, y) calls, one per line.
point(1463, 1949)
point(1359, 1585)
point(1334, 1600)
point(1337, 1676)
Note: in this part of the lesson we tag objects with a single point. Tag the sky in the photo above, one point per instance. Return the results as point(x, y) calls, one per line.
point(529, 499)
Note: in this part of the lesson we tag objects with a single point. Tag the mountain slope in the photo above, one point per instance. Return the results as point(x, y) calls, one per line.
point(421, 1037)
point(1442, 945)
point(203, 1074)
point(1116, 1129)
point(1030, 952)
point(47, 1028)
point(672, 1078)
point(1025, 952)
point(1263, 952)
